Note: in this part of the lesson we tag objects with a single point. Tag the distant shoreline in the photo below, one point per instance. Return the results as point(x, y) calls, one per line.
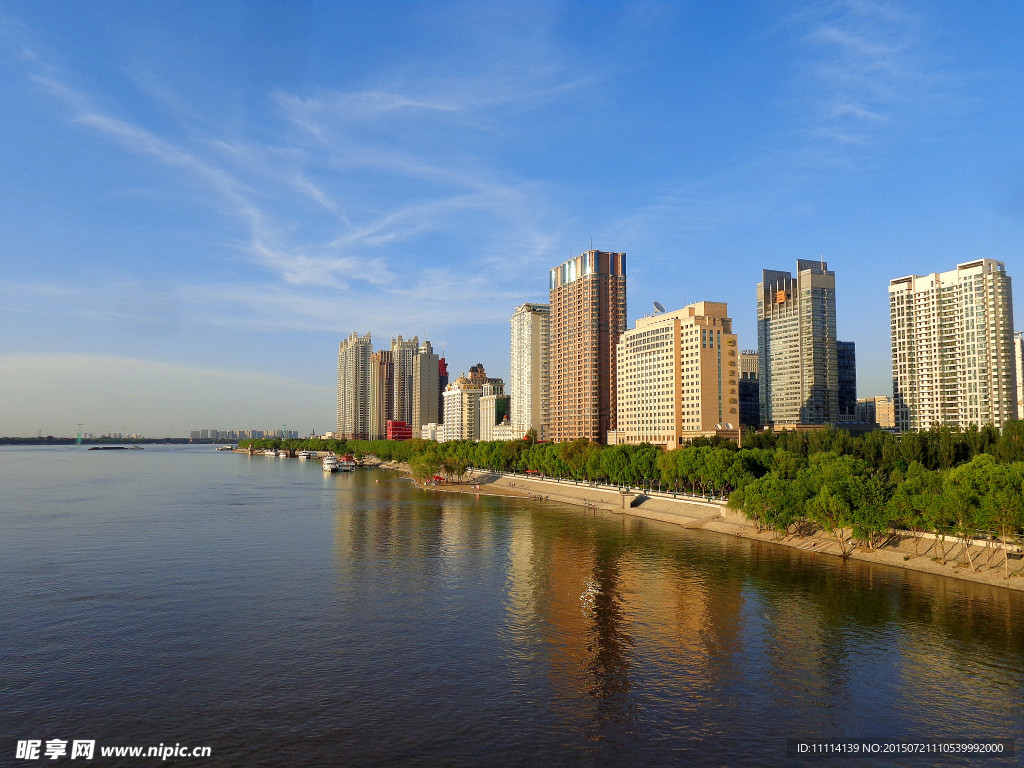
point(715, 516)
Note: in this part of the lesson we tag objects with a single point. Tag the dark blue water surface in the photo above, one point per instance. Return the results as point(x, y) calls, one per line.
point(287, 618)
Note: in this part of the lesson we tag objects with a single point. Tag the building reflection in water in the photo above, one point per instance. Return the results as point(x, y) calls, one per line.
point(632, 622)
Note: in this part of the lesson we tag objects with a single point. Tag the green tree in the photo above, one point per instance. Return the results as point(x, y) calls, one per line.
point(830, 508)
point(872, 516)
point(1005, 505)
point(424, 466)
point(962, 491)
point(574, 455)
point(914, 502)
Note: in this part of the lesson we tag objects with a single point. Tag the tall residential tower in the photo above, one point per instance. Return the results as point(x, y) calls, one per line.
point(588, 314)
point(354, 387)
point(531, 341)
point(952, 347)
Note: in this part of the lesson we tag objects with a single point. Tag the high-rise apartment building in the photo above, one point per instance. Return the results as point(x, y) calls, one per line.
point(403, 353)
point(382, 392)
point(798, 372)
point(531, 347)
point(677, 376)
point(354, 387)
point(424, 387)
point(461, 410)
point(952, 347)
point(588, 314)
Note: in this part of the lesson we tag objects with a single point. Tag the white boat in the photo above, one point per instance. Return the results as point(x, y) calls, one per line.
point(346, 464)
point(270, 452)
point(283, 454)
point(331, 463)
point(307, 454)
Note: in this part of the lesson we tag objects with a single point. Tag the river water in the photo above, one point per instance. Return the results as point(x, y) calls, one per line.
point(282, 617)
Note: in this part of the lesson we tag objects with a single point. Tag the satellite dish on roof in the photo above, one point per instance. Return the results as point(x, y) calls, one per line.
point(658, 307)
point(728, 425)
point(718, 426)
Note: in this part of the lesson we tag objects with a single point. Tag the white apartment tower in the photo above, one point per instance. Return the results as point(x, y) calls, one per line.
point(529, 369)
point(952, 347)
point(798, 374)
point(461, 410)
point(354, 387)
point(677, 377)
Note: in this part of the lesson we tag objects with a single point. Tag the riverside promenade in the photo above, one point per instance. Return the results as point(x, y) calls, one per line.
point(943, 558)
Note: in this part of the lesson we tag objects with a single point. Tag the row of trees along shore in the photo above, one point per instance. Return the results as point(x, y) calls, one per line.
point(957, 485)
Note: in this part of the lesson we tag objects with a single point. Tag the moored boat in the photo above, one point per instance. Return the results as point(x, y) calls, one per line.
point(331, 463)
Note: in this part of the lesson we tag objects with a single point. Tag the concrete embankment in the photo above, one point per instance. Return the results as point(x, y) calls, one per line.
point(944, 558)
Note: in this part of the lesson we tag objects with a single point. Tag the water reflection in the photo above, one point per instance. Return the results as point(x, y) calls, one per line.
point(655, 638)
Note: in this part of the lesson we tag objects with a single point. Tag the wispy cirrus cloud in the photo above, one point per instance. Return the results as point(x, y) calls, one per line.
point(862, 67)
point(376, 195)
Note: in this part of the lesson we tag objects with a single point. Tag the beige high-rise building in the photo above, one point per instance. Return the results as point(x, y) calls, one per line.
point(1018, 364)
point(424, 387)
point(354, 387)
point(382, 392)
point(403, 353)
point(531, 347)
point(798, 381)
point(952, 347)
point(461, 411)
point(588, 314)
point(678, 375)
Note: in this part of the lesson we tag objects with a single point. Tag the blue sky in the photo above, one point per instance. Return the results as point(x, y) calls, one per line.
point(198, 200)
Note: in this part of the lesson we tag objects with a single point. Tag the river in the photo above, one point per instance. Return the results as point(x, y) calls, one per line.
point(283, 617)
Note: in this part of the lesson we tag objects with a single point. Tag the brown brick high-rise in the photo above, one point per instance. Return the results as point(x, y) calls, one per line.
point(588, 314)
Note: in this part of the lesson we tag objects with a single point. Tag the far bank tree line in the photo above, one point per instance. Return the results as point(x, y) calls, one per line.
point(955, 483)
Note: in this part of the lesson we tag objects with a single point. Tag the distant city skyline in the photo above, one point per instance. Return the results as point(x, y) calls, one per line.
point(201, 201)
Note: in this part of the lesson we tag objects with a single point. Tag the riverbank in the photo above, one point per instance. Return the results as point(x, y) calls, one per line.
point(931, 556)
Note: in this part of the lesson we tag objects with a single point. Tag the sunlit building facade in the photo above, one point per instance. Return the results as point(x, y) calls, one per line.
point(461, 411)
point(403, 354)
point(588, 314)
point(796, 345)
point(382, 392)
point(530, 370)
point(952, 347)
point(678, 375)
point(426, 366)
point(354, 387)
